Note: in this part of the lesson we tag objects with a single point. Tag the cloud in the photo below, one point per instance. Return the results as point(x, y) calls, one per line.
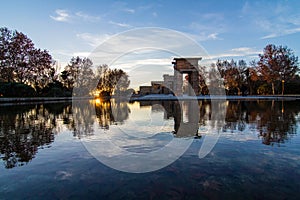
point(61, 16)
point(280, 22)
point(244, 52)
point(81, 54)
point(92, 39)
point(147, 69)
point(213, 36)
point(283, 26)
point(132, 64)
point(122, 7)
point(128, 10)
point(124, 25)
point(216, 17)
point(208, 22)
point(207, 27)
point(87, 17)
point(204, 36)
point(67, 16)
point(281, 33)
point(63, 56)
point(246, 8)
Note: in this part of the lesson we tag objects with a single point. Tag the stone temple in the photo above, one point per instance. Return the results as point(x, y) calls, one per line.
point(174, 84)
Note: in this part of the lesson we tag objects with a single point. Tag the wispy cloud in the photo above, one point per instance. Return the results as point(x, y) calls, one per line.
point(124, 25)
point(205, 36)
point(207, 27)
point(67, 16)
point(87, 17)
point(147, 69)
point(279, 22)
point(81, 54)
point(246, 51)
point(282, 33)
point(123, 7)
point(243, 52)
point(92, 39)
point(61, 16)
point(129, 10)
point(71, 54)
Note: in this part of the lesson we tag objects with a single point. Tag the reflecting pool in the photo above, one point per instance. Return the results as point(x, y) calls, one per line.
point(150, 150)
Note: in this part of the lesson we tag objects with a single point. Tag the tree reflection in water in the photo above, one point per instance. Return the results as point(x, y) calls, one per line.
point(26, 128)
point(275, 121)
point(111, 112)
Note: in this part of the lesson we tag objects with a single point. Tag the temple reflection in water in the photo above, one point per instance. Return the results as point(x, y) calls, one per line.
point(24, 129)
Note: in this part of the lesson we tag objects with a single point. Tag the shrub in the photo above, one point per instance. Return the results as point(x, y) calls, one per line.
point(264, 89)
point(16, 90)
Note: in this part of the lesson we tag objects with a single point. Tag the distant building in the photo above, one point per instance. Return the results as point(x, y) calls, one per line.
point(157, 87)
point(145, 90)
point(169, 81)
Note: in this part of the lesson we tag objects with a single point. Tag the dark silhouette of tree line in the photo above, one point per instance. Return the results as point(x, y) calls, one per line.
point(26, 71)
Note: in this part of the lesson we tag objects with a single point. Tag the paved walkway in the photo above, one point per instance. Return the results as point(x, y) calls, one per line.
point(155, 97)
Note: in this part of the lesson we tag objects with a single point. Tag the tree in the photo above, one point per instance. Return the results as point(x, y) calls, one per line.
point(277, 64)
point(21, 55)
point(78, 74)
point(42, 70)
point(242, 69)
point(111, 81)
point(70, 73)
point(213, 81)
point(21, 62)
point(6, 70)
point(252, 77)
point(234, 74)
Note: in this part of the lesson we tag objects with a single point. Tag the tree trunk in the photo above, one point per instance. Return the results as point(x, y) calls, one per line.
point(273, 88)
point(239, 91)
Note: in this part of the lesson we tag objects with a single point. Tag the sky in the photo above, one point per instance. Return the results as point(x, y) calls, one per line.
point(225, 29)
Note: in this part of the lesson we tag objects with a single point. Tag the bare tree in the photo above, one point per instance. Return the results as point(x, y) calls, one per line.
point(79, 74)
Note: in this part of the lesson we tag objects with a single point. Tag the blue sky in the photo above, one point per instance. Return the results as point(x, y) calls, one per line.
point(226, 29)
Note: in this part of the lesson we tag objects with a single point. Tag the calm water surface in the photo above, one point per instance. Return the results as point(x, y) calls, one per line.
point(43, 152)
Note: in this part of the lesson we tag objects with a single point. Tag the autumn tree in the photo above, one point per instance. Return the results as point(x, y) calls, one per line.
point(21, 62)
point(277, 64)
point(252, 77)
point(234, 74)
